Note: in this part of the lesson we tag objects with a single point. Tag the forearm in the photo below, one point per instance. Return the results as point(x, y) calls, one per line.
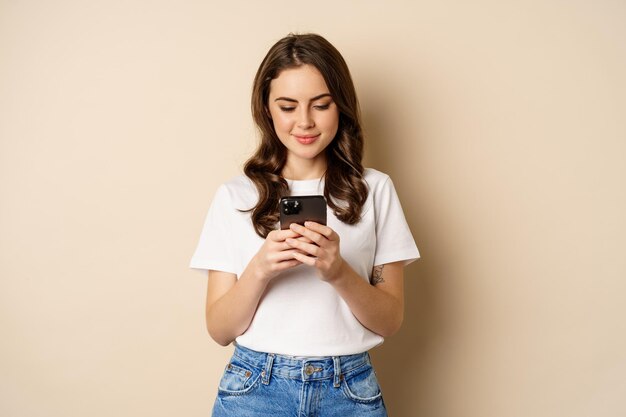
point(230, 315)
point(377, 310)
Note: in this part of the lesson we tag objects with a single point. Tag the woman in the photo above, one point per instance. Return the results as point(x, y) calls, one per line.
point(305, 304)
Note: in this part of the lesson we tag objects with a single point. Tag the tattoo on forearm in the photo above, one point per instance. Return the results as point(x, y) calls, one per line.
point(377, 274)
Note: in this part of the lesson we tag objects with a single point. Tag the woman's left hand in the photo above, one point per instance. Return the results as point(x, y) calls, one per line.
point(323, 252)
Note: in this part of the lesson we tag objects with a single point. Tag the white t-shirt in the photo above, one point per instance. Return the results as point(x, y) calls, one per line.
point(299, 314)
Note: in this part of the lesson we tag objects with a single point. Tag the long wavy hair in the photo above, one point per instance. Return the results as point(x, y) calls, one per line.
point(345, 189)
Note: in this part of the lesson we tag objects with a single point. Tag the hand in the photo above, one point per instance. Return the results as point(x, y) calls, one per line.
point(322, 252)
point(275, 255)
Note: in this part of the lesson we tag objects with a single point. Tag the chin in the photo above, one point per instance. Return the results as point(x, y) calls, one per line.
point(308, 156)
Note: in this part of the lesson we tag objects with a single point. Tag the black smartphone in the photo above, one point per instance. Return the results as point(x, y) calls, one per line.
point(298, 209)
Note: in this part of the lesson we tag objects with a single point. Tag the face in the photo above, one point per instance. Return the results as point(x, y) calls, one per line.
point(304, 115)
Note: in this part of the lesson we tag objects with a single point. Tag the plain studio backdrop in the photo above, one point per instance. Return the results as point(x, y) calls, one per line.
point(502, 124)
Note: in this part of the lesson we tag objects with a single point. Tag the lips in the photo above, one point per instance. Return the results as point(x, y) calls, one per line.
point(306, 139)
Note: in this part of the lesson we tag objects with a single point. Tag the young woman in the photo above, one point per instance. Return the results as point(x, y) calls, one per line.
point(304, 305)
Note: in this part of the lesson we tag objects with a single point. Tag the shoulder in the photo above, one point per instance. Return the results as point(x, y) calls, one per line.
point(238, 183)
point(382, 190)
point(375, 179)
point(240, 191)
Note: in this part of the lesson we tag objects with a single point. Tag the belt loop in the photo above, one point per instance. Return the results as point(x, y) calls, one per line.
point(337, 379)
point(267, 371)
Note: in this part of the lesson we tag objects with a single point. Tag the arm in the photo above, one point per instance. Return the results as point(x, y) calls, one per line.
point(231, 302)
point(379, 306)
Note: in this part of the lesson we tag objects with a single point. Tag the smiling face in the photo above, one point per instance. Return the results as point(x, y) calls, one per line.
point(305, 119)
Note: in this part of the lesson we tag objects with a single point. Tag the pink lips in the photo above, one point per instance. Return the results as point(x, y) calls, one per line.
point(306, 140)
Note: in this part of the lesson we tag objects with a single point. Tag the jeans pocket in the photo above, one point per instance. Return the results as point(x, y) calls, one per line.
point(362, 386)
point(239, 378)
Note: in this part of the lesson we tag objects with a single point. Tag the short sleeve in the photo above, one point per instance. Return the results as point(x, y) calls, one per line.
point(215, 246)
point(394, 241)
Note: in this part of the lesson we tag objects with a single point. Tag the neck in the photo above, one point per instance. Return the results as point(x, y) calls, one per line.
point(304, 169)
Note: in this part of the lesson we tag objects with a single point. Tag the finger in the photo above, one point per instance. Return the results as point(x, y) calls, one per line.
point(281, 246)
point(287, 265)
point(303, 231)
point(309, 248)
point(278, 247)
point(325, 231)
point(284, 255)
point(304, 239)
point(307, 260)
point(281, 235)
point(299, 236)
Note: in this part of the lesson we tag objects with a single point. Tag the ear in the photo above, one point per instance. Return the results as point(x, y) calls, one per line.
point(267, 112)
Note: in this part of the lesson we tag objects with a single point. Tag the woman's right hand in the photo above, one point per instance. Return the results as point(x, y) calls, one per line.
point(275, 255)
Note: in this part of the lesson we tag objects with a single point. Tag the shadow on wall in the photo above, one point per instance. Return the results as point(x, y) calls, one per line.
point(404, 362)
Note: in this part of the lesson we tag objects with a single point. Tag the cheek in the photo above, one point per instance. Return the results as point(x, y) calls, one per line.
point(330, 122)
point(281, 122)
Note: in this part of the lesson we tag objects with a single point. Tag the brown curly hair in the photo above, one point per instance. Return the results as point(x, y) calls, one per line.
point(345, 189)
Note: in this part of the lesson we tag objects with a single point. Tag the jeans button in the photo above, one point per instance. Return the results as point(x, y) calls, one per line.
point(309, 370)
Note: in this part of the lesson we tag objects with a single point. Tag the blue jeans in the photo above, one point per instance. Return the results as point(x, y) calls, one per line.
point(266, 384)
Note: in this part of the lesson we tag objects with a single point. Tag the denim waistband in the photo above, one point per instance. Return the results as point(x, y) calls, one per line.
point(302, 368)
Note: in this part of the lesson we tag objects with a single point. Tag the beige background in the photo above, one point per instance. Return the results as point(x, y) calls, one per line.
point(502, 124)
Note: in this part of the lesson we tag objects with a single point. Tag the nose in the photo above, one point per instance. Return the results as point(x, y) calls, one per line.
point(305, 121)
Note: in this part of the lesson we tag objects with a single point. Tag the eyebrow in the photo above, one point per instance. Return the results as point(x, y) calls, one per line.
point(295, 101)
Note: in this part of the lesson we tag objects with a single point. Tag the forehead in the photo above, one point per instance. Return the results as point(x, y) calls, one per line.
point(301, 82)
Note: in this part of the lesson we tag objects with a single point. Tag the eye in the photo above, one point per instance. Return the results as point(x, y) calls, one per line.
point(287, 109)
point(322, 106)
